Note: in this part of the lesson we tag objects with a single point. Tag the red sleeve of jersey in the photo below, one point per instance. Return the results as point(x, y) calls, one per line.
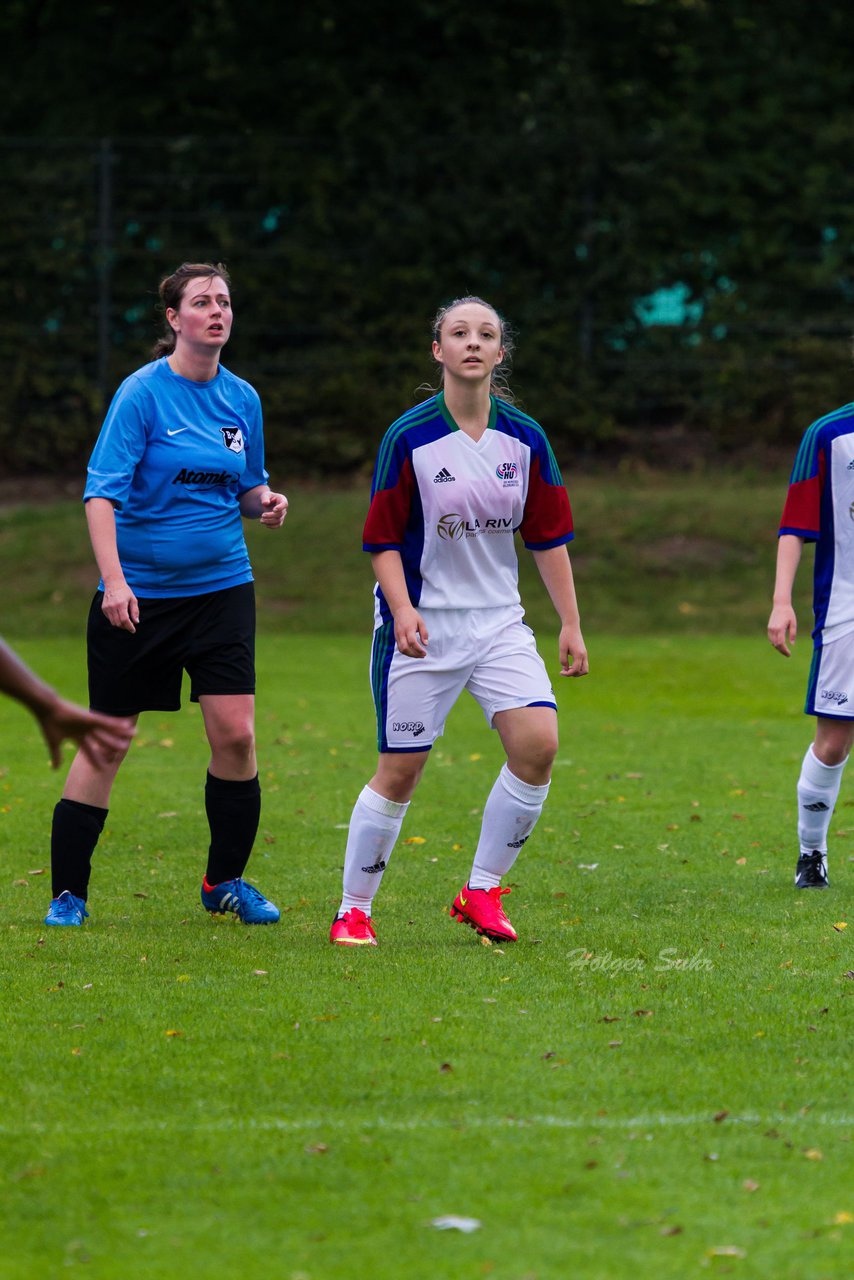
point(389, 513)
point(802, 509)
point(547, 521)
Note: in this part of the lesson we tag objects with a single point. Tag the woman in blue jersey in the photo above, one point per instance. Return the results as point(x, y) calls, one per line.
point(819, 508)
point(454, 479)
point(178, 465)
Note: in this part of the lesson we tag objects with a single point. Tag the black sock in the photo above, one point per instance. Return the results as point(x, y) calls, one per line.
point(234, 811)
point(74, 834)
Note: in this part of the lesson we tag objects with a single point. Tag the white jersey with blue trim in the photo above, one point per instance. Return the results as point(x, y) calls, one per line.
point(451, 505)
point(820, 508)
point(173, 457)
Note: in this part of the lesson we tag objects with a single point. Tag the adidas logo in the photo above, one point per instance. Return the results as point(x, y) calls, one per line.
point(818, 807)
point(443, 477)
point(850, 466)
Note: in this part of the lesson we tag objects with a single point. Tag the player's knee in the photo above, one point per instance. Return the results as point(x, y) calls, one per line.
point(237, 742)
point(533, 759)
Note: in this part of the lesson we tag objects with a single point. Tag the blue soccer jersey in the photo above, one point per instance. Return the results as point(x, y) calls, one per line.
point(451, 505)
point(173, 457)
point(820, 508)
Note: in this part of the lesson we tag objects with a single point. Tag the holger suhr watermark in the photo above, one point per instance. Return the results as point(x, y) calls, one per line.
point(668, 961)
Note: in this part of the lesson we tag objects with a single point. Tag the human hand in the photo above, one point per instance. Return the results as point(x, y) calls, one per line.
point(573, 652)
point(99, 737)
point(783, 628)
point(274, 508)
point(120, 607)
point(410, 632)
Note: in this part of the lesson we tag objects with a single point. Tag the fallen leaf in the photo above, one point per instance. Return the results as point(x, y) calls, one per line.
point(415, 840)
point(740, 862)
point(446, 1068)
point(838, 927)
point(642, 1013)
point(37, 871)
point(174, 1033)
point(725, 1251)
point(614, 1044)
point(719, 1116)
point(671, 1231)
point(750, 1185)
point(813, 1153)
point(611, 1018)
point(317, 1149)
point(450, 1222)
point(260, 973)
point(843, 1219)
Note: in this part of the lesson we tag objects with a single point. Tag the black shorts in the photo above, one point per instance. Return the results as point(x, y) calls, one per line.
point(211, 637)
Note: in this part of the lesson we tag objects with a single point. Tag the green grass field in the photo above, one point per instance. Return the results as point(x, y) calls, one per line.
point(653, 1082)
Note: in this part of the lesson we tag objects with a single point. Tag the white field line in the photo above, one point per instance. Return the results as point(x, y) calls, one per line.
point(276, 1124)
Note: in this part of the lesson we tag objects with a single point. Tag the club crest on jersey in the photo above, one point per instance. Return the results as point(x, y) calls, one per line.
point(508, 472)
point(232, 438)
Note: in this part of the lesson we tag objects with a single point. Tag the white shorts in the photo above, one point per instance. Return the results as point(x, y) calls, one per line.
point(490, 652)
point(830, 688)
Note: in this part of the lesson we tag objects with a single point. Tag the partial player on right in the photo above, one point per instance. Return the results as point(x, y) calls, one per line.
point(819, 508)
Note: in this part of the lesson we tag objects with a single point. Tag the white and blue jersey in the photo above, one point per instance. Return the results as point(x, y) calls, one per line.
point(173, 457)
point(452, 505)
point(820, 508)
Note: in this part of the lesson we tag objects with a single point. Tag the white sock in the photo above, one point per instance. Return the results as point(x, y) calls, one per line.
point(509, 816)
point(818, 788)
point(374, 827)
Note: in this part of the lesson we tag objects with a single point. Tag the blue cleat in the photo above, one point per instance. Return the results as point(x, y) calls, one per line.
point(66, 909)
point(241, 898)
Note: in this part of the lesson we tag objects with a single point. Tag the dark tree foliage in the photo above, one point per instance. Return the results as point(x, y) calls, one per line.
point(656, 193)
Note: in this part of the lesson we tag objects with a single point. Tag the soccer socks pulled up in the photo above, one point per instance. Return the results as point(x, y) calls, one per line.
point(74, 833)
point(234, 811)
point(509, 816)
point(818, 789)
point(374, 827)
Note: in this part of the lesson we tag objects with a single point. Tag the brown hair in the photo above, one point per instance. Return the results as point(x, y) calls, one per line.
point(171, 290)
point(498, 384)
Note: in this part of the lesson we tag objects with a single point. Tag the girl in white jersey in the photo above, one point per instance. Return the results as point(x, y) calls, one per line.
point(455, 478)
point(819, 508)
point(178, 465)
